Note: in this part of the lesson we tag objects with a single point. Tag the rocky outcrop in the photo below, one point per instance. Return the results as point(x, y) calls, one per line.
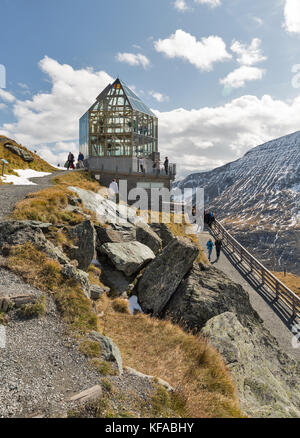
point(163, 231)
point(69, 271)
point(148, 237)
point(266, 378)
point(26, 156)
point(83, 236)
point(205, 293)
point(109, 351)
point(163, 276)
point(114, 233)
point(128, 257)
point(96, 291)
point(20, 232)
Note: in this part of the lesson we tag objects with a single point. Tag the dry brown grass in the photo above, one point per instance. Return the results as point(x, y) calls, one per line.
point(121, 305)
point(290, 280)
point(186, 361)
point(80, 179)
point(16, 162)
point(94, 273)
point(49, 205)
point(42, 272)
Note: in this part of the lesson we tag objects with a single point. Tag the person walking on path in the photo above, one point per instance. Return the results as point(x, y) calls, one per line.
point(114, 189)
point(142, 164)
point(80, 160)
point(71, 160)
point(210, 246)
point(218, 244)
point(166, 165)
point(211, 219)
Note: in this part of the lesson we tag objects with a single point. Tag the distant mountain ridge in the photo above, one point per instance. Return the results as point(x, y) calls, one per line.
point(258, 199)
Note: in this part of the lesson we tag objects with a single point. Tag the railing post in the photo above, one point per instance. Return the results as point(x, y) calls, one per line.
point(294, 308)
point(263, 275)
point(277, 289)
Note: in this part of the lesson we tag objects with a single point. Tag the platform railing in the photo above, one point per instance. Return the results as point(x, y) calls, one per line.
point(266, 277)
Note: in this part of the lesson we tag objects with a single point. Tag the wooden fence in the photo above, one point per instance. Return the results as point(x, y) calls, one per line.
point(281, 291)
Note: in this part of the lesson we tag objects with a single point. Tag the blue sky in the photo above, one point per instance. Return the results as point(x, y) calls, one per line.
point(218, 72)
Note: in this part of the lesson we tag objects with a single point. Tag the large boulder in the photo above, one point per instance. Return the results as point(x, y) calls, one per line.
point(164, 233)
point(109, 351)
point(116, 280)
point(26, 156)
point(114, 233)
point(148, 237)
point(267, 379)
point(128, 257)
point(205, 293)
point(163, 275)
point(83, 250)
point(14, 233)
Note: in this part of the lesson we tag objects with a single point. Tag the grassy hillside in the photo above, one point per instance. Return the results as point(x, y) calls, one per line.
point(290, 280)
point(152, 346)
point(16, 162)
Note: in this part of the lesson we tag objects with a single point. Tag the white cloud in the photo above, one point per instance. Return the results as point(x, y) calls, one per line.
point(6, 96)
point(248, 55)
point(202, 54)
point(158, 96)
point(258, 20)
point(292, 16)
point(209, 137)
point(53, 116)
point(133, 59)
point(180, 5)
point(58, 153)
point(2, 106)
point(212, 3)
point(195, 139)
point(241, 75)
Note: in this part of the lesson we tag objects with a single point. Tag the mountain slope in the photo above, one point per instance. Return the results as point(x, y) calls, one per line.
point(17, 162)
point(258, 198)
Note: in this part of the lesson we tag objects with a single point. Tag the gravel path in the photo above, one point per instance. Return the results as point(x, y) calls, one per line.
point(40, 366)
point(11, 194)
point(268, 310)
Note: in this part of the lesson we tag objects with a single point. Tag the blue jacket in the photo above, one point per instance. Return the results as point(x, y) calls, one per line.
point(210, 245)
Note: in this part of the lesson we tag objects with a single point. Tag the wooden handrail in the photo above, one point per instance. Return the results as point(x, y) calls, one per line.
point(266, 277)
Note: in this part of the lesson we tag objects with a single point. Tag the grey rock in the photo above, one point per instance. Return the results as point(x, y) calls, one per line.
point(109, 350)
point(148, 237)
point(162, 276)
point(20, 300)
point(128, 257)
point(90, 394)
point(69, 271)
point(205, 293)
point(5, 304)
point(267, 379)
point(74, 201)
point(116, 280)
point(96, 291)
point(163, 231)
point(26, 156)
point(152, 378)
point(83, 236)
point(114, 234)
point(19, 232)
